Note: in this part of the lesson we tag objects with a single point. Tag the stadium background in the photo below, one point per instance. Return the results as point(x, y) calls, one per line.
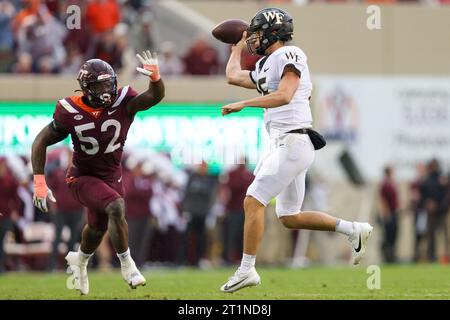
point(382, 97)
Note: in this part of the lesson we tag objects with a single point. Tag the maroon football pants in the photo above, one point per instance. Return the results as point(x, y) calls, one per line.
point(95, 194)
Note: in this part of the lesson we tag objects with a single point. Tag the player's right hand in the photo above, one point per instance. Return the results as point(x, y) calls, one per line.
point(41, 192)
point(242, 43)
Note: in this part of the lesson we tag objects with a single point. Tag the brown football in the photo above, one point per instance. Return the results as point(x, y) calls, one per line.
point(230, 31)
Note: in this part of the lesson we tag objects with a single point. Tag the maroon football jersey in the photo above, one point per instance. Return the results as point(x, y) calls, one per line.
point(98, 135)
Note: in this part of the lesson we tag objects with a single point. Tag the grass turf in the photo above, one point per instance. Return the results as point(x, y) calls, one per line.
point(397, 282)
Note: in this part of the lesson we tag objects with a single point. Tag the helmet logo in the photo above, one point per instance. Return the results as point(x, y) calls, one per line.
point(81, 74)
point(274, 14)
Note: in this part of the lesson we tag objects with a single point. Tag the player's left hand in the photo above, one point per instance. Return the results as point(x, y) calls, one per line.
point(150, 65)
point(41, 192)
point(232, 107)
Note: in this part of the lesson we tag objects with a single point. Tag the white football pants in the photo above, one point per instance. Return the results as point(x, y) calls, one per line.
point(281, 173)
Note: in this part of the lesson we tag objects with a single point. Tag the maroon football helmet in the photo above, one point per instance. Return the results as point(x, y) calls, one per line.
point(98, 81)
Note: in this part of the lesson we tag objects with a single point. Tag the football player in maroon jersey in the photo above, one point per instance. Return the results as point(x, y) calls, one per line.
point(98, 122)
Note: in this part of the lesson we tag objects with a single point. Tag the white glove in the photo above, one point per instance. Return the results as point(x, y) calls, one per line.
point(41, 203)
point(150, 65)
point(41, 192)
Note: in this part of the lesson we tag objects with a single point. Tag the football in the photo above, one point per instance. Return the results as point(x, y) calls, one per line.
point(230, 31)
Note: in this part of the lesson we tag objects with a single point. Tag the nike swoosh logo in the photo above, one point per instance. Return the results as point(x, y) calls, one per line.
point(120, 179)
point(111, 112)
point(234, 285)
point(359, 244)
point(265, 70)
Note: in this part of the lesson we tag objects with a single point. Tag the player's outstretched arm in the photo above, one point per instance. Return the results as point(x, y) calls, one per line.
point(51, 134)
point(235, 75)
point(156, 90)
point(283, 95)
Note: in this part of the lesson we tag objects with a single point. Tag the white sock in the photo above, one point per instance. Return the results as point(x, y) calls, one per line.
point(84, 257)
point(247, 262)
point(125, 257)
point(344, 227)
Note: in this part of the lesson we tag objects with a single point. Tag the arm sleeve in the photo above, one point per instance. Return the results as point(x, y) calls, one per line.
point(131, 93)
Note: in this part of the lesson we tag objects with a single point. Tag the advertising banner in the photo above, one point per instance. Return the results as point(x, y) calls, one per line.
point(397, 121)
point(190, 133)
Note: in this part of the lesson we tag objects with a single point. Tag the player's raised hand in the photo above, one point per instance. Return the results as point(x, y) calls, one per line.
point(242, 43)
point(149, 65)
point(232, 107)
point(41, 192)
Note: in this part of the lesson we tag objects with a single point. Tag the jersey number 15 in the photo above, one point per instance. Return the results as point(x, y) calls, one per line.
point(261, 86)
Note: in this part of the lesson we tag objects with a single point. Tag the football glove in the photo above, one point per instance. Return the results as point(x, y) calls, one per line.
point(150, 65)
point(41, 192)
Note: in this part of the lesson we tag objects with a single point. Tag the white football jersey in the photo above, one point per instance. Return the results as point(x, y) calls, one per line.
point(267, 76)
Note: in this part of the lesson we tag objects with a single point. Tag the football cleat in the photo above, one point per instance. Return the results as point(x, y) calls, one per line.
point(359, 239)
point(241, 280)
point(132, 276)
point(79, 272)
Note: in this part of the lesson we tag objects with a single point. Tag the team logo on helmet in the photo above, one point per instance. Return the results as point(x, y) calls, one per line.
point(277, 15)
point(267, 27)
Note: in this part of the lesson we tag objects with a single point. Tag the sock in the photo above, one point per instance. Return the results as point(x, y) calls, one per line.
point(248, 262)
point(125, 257)
point(344, 227)
point(84, 257)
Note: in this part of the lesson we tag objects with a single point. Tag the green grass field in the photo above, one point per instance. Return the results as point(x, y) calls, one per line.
point(397, 282)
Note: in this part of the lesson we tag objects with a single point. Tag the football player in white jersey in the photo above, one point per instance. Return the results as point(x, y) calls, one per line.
point(282, 77)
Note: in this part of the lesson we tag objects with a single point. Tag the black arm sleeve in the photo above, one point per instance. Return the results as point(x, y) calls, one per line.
point(58, 129)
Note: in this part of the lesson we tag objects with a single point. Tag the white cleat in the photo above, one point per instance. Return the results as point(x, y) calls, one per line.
point(359, 239)
point(241, 280)
point(79, 272)
point(132, 276)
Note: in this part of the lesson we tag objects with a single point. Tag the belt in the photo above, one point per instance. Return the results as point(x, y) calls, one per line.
point(301, 131)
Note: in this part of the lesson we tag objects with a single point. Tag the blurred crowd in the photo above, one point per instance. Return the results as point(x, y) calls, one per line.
point(41, 36)
point(46, 37)
point(303, 2)
point(429, 203)
point(175, 216)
